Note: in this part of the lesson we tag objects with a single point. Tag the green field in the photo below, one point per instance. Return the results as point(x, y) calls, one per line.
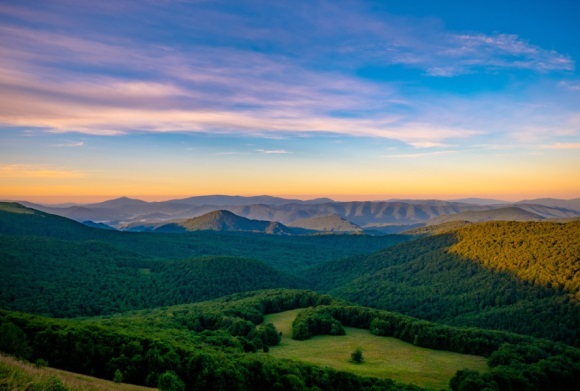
point(384, 357)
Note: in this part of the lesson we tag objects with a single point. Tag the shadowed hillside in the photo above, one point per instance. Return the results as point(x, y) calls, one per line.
point(521, 277)
point(69, 279)
point(287, 253)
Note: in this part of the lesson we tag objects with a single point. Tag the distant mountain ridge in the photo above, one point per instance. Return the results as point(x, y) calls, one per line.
point(385, 216)
point(510, 213)
point(330, 223)
point(573, 204)
point(480, 201)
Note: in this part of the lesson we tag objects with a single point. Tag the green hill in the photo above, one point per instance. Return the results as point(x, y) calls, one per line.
point(223, 220)
point(55, 266)
point(68, 279)
point(291, 254)
point(16, 220)
point(521, 277)
point(214, 346)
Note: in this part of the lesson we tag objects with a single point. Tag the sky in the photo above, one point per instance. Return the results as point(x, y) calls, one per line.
point(353, 100)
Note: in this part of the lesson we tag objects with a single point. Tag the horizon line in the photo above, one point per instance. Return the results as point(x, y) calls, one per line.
point(84, 200)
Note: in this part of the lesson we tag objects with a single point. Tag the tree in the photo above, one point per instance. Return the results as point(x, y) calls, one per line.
point(357, 356)
point(169, 381)
point(13, 340)
point(118, 376)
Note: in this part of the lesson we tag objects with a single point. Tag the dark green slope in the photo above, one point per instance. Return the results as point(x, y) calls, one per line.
point(290, 254)
point(447, 278)
point(16, 220)
point(68, 279)
point(210, 277)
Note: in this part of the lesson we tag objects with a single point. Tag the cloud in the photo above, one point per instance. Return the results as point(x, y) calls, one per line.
point(70, 144)
point(427, 144)
point(122, 83)
point(231, 153)
point(562, 146)
point(37, 172)
point(420, 155)
point(445, 54)
point(273, 151)
point(571, 85)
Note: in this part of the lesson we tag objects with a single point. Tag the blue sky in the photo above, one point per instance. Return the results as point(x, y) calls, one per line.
point(348, 99)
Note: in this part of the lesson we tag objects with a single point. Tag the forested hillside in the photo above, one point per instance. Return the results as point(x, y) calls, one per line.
point(544, 254)
point(519, 277)
point(214, 346)
point(290, 254)
point(464, 278)
point(58, 267)
point(68, 279)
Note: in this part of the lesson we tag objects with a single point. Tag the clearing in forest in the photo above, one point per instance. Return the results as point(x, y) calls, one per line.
point(384, 357)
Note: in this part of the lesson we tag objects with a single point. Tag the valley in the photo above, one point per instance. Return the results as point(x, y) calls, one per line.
point(435, 307)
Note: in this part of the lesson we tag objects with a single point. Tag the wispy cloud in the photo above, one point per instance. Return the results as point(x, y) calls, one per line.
point(562, 146)
point(70, 144)
point(420, 155)
point(37, 172)
point(467, 52)
point(571, 85)
point(273, 151)
point(231, 153)
point(118, 84)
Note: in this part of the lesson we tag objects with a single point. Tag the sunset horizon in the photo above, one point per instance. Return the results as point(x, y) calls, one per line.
point(348, 100)
point(90, 199)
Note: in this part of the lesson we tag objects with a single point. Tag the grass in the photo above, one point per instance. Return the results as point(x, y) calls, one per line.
point(384, 357)
point(11, 207)
point(18, 375)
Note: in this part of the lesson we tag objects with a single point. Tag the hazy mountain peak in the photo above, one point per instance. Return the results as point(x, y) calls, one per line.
point(119, 202)
point(330, 223)
point(223, 220)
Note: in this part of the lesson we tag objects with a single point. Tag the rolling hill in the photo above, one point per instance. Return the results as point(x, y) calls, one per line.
point(224, 221)
point(522, 277)
point(68, 279)
point(214, 346)
point(53, 265)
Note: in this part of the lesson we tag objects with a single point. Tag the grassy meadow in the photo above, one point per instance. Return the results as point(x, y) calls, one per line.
point(384, 357)
point(18, 375)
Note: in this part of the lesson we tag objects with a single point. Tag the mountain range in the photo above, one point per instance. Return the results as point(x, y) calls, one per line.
point(377, 216)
